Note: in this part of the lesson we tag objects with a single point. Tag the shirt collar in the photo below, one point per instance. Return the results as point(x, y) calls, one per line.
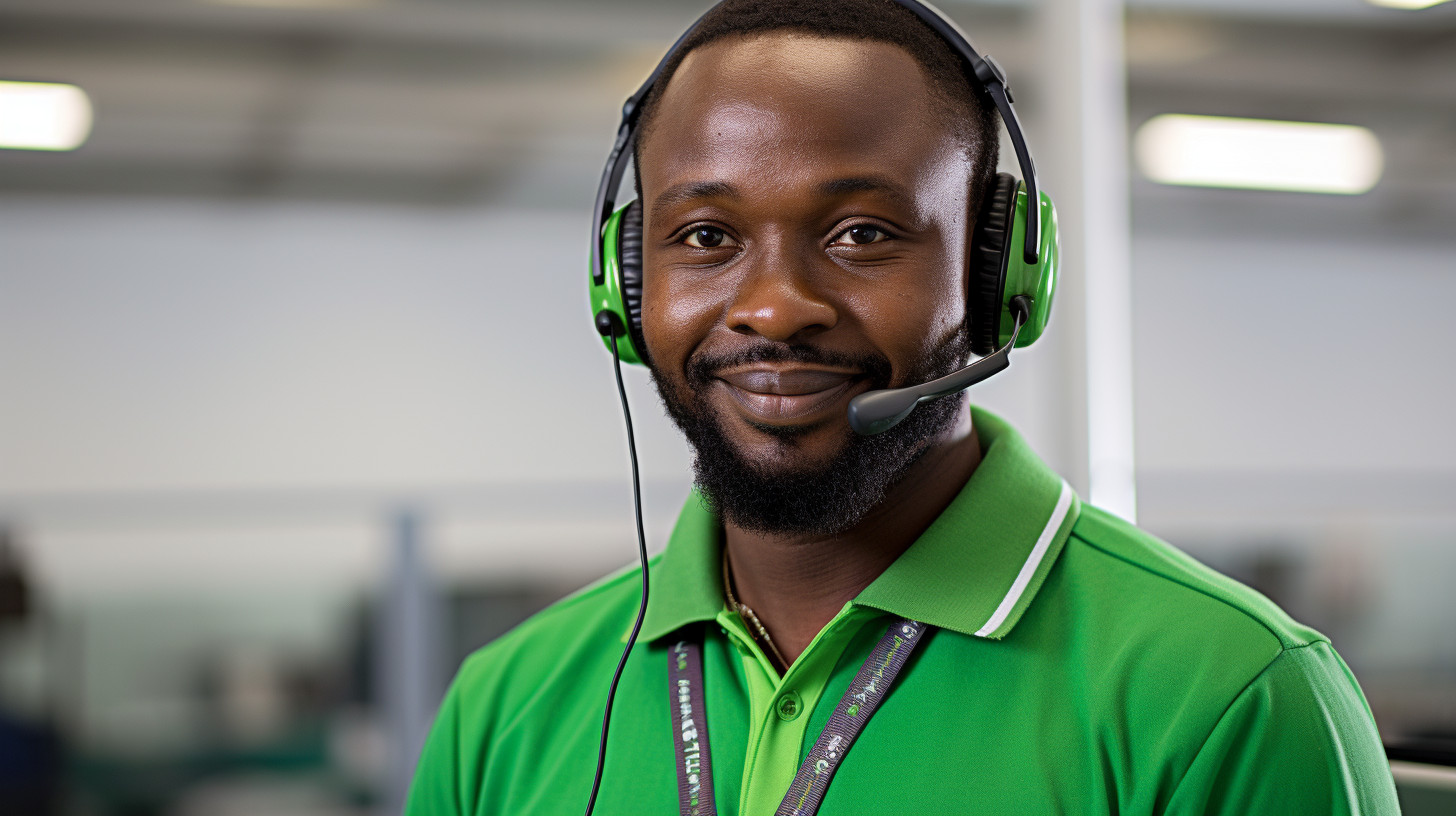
point(975, 570)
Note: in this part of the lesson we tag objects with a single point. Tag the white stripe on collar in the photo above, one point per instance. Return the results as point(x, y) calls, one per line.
point(1033, 560)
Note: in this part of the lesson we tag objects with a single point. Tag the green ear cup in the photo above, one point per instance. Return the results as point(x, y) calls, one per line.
point(620, 292)
point(1036, 281)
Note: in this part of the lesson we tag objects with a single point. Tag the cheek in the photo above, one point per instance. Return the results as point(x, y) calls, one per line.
point(676, 317)
point(908, 323)
point(946, 293)
point(909, 317)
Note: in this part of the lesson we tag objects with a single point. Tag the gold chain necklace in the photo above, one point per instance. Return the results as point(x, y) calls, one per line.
point(750, 620)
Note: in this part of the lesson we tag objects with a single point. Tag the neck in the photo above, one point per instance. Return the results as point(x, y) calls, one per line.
point(797, 584)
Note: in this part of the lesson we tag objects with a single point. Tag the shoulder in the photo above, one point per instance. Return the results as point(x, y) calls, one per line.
point(586, 628)
point(1159, 639)
point(1155, 586)
point(1186, 659)
point(519, 690)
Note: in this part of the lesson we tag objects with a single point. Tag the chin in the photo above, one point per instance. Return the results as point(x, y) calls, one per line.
point(788, 449)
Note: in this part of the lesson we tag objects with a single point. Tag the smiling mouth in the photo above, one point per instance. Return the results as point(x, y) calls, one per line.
point(790, 396)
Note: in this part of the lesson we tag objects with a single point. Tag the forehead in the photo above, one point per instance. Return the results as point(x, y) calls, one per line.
point(772, 105)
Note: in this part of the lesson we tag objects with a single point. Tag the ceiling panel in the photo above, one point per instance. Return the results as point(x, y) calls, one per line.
point(462, 101)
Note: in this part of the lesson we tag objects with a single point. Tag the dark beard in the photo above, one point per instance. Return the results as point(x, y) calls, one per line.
point(824, 500)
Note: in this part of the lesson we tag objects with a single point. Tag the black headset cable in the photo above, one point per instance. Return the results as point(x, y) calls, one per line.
point(642, 555)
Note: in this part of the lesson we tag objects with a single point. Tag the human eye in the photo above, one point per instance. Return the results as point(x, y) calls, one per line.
point(707, 237)
point(859, 235)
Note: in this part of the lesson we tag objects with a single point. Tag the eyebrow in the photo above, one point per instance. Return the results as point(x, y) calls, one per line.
point(864, 184)
point(689, 190)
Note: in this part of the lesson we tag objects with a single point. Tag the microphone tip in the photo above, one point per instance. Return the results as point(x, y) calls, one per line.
point(875, 412)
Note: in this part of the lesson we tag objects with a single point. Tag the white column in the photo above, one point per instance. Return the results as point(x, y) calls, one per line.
point(407, 657)
point(1081, 144)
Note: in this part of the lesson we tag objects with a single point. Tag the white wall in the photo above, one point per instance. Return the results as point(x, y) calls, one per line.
point(208, 390)
point(1297, 356)
point(159, 345)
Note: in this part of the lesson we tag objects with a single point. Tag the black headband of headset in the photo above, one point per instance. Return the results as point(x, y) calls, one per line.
point(987, 72)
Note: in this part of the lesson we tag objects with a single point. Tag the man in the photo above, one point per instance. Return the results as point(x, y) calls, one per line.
point(808, 174)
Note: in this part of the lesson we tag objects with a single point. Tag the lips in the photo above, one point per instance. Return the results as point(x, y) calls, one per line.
point(776, 395)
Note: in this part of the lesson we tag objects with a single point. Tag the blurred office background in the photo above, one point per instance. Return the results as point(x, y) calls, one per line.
point(300, 401)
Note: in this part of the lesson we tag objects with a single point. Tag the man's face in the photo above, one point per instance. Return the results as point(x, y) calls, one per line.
point(804, 241)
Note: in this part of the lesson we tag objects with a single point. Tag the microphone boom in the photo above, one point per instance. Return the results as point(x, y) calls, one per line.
point(875, 412)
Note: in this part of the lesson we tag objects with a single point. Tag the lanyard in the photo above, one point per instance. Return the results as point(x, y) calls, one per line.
point(690, 723)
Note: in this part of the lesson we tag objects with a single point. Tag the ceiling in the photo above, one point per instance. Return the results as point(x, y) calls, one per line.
point(450, 102)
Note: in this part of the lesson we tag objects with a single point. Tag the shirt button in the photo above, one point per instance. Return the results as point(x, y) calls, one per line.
point(790, 706)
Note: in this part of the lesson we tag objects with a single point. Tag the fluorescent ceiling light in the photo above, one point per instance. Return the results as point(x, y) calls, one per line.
point(1258, 154)
point(1406, 4)
point(43, 116)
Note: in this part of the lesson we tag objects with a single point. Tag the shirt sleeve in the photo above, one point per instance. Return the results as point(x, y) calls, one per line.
point(1298, 739)
point(436, 789)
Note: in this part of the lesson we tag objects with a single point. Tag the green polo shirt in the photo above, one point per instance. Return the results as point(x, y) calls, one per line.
point(1075, 665)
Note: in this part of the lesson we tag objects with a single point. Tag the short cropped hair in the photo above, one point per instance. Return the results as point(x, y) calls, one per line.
point(968, 115)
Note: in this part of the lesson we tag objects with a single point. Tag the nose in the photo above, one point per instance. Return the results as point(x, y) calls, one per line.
point(778, 301)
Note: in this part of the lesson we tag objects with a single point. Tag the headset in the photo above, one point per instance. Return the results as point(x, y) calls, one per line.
point(1014, 259)
point(1010, 293)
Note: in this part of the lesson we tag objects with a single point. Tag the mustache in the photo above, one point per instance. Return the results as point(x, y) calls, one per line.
point(702, 368)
